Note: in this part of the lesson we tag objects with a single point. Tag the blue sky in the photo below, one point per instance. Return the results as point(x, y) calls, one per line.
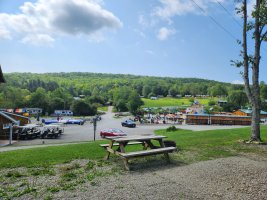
point(144, 37)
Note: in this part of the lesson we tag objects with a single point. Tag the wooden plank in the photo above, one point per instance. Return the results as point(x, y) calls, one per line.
point(117, 144)
point(138, 138)
point(147, 152)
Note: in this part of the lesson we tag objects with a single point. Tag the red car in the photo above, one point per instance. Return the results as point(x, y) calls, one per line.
point(112, 132)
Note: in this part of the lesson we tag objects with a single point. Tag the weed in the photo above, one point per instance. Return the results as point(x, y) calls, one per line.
point(3, 194)
point(102, 163)
point(70, 167)
point(42, 171)
point(93, 183)
point(53, 189)
point(90, 176)
point(90, 165)
point(49, 197)
point(68, 186)
point(23, 183)
point(14, 174)
point(69, 176)
point(27, 190)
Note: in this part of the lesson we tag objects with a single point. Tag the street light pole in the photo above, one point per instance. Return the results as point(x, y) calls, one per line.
point(94, 123)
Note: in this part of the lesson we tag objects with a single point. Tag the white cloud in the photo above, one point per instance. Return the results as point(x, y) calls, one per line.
point(164, 33)
point(171, 8)
point(38, 40)
point(238, 82)
point(45, 20)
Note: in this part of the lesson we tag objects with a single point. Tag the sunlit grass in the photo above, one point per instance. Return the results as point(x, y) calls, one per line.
point(162, 102)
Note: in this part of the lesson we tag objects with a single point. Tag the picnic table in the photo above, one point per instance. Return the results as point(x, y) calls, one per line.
point(146, 141)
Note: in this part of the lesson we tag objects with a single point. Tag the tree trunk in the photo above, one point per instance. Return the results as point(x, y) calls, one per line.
point(255, 124)
point(255, 129)
point(252, 91)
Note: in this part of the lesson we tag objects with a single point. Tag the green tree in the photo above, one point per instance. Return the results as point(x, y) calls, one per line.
point(81, 108)
point(257, 27)
point(39, 99)
point(134, 102)
point(238, 98)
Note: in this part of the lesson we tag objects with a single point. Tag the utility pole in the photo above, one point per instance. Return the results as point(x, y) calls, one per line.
point(10, 133)
point(94, 123)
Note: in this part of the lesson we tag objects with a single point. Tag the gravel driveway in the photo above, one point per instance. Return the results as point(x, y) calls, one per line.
point(228, 178)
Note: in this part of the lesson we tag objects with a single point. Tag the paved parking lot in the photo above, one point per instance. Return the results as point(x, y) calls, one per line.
point(83, 133)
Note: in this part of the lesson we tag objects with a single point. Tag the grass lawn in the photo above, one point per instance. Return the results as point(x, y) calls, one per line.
point(103, 108)
point(195, 146)
point(206, 145)
point(161, 102)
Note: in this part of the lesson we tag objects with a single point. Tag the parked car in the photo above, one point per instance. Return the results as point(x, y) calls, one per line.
point(64, 121)
point(75, 121)
point(29, 131)
point(112, 132)
point(49, 121)
point(128, 123)
point(52, 131)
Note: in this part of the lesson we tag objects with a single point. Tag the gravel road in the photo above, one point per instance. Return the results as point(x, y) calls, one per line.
point(228, 178)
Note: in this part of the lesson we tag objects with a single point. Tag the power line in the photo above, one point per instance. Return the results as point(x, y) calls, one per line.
point(229, 13)
point(215, 21)
point(237, 22)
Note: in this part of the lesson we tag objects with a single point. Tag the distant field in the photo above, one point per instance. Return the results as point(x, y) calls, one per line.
point(161, 102)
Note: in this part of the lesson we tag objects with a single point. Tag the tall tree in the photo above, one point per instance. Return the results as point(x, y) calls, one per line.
point(258, 28)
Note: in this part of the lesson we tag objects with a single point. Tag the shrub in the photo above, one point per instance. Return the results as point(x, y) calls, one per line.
point(171, 129)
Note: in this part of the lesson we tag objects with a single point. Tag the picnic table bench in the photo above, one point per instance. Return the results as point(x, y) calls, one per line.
point(146, 141)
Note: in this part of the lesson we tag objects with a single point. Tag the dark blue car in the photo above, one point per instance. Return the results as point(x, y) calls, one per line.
point(128, 123)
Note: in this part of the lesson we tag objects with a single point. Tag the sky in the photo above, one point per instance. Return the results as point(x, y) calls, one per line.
point(174, 38)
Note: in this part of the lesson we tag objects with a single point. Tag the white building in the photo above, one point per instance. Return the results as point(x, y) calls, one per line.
point(63, 113)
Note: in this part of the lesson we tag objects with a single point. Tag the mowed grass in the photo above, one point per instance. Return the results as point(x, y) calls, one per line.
point(46, 156)
point(167, 101)
point(206, 145)
point(193, 147)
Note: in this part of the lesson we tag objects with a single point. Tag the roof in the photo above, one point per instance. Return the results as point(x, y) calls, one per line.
point(249, 111)
point(13, 114)
point(207, 115)
point(2, 80)
point(8, 117)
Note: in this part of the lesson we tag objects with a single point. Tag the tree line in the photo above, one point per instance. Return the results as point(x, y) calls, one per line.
point(56, 91)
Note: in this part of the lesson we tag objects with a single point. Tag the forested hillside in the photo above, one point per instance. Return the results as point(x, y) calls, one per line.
point(56, 90)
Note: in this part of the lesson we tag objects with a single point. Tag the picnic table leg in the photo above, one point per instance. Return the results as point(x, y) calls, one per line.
point(108, 153)
point(122, 150)
point(162, 145)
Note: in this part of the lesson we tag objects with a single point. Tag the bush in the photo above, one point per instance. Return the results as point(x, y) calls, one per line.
point(171, 129)
point(212, 103)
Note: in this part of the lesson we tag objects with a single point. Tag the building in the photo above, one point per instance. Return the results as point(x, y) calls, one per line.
point(248, 112)
point(63, 113)
point(7, 120)
point(217, 120)
point(34, 111)
point(222, 102)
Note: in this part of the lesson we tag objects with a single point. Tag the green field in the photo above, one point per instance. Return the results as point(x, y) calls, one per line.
point(164, 102)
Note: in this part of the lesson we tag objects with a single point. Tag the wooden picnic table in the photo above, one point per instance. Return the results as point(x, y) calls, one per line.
point(148, 147)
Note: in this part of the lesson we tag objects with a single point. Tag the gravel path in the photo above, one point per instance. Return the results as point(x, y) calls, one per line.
point(243, 178)
point(227, 178)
